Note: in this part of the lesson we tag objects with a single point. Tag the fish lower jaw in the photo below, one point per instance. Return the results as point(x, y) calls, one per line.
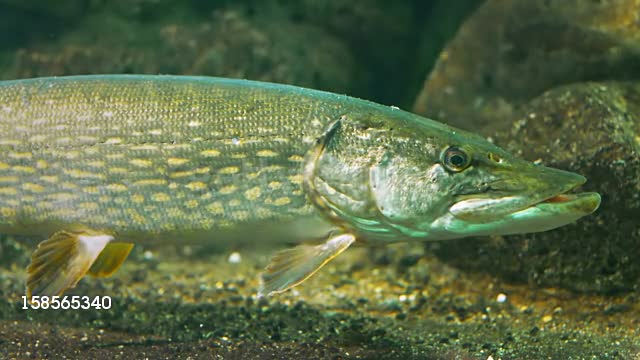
point(584, 203)
point(488, 210)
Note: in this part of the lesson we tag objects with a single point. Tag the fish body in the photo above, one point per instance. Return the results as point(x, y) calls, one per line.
point(143, 155)
point(89, 160)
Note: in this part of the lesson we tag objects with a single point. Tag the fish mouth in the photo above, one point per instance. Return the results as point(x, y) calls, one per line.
point(563, 201)
point(507, 215)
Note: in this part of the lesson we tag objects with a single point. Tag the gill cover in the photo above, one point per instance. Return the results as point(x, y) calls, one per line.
point(359, 172)
point(336, 176)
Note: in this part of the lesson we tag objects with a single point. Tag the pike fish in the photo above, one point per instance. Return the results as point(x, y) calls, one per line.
point(95, 164)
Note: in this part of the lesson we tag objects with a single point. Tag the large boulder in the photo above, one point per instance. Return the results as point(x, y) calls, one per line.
point(506, 75)
point(511, 51)
point(592, 129)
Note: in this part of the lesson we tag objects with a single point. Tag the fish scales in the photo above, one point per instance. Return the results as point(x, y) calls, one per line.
point(136, 154)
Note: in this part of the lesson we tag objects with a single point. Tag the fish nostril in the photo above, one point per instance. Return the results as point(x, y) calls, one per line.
point(495, 158)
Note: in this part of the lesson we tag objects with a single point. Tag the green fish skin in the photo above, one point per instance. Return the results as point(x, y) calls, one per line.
point(92, 159)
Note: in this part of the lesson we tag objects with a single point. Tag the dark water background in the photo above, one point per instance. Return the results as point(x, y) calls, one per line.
point(551, 80)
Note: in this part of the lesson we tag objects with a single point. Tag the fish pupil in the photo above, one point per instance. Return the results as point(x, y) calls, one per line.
point(457, 160)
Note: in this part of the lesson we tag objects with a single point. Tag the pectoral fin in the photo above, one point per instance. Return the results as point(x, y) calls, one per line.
point(291, 267)
point(62, 260)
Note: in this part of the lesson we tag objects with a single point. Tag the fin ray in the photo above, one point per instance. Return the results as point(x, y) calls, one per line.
point(62, 260)
point(291, 267)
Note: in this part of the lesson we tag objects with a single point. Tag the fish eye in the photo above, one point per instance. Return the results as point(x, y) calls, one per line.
point(455, 159)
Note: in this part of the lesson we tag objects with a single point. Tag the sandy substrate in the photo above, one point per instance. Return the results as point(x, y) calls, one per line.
point(391, 303)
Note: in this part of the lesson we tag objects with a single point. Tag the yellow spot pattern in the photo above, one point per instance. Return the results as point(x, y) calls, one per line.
point(296, 179)
point(228, 189)
point(7, 212)
point(88, 206)
point(20, 155)
point(33, 187)
point(253, 193)
point(8, 191)
point(118, 170)
point(80, 174)
point(275, 185)
point(116, 187)
point(229, 170)
point(49, 179)
point(69, 185)
point(160, 197)
point(113, 141)
point(136, 217)
point(266, 153)
point(8, 179)
point(282, 201)
point(196, 185)
point(141, 163)
point(177, 161)
point(70, 154)
point(13, 202)
point(240, 215)
point(91, 189)
point(216, 208)
point(116, 156)
point(24, 169)
point(210, 153)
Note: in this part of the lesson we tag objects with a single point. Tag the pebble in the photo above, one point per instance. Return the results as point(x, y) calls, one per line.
point(234, 258)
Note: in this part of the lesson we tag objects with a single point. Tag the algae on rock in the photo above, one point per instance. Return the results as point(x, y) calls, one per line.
point(510, 51)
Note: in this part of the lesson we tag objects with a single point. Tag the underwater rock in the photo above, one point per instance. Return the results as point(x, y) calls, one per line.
point(505, 55)
point(510, 51)
point(441, 23)
point(230, 44)
point(592, 129)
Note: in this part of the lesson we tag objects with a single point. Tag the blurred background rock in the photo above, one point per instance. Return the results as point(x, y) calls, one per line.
point(553, 80)
point(373, 49)
point(506, 74)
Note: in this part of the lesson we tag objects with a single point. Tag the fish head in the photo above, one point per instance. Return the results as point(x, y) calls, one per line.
point(410, 177)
